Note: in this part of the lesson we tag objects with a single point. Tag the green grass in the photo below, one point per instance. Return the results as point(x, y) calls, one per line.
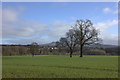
point(54, 66)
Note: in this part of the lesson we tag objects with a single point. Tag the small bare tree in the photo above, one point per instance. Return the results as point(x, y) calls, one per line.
point(85, 34)
point(69, 41)
point(34, 48)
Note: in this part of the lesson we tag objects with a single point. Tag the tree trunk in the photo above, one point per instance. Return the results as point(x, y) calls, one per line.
point(81, 51)
point(70, 53)
point(32, 54)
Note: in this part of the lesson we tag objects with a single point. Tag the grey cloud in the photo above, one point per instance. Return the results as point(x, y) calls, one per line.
point(108, 38)
point(59, 28)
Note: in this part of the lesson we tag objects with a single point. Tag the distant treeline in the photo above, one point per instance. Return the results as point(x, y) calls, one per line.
point(14, 50)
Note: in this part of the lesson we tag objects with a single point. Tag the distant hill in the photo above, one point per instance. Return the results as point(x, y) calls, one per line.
point(49, 44)
point(54, 43)
point(104, 46)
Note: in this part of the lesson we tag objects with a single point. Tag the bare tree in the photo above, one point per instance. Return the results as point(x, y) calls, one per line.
point(69, 41)
point(34, 48)
point(85, 34)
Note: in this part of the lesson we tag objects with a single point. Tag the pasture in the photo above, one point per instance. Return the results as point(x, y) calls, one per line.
point(60, 66)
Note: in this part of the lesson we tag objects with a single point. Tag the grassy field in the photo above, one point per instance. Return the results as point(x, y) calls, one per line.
point(53, 66)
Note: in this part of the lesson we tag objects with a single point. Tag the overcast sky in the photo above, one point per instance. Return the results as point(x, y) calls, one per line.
point(40, 22)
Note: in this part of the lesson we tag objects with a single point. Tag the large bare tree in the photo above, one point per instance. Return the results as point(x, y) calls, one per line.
point(85, 34)
point(69, 41)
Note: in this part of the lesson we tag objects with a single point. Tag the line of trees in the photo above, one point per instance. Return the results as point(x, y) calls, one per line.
point(22, 50)
point(10, 50)
point(82, 33)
